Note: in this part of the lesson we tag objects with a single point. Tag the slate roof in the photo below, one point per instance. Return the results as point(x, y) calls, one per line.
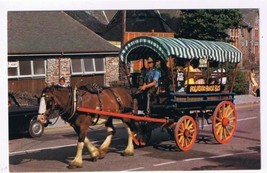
point(136, 21)
point(49, 32)
point(249, 16)
point(95, 20)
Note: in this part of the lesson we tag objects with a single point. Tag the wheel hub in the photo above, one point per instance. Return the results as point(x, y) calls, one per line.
point(225, 121)
point(186, 133)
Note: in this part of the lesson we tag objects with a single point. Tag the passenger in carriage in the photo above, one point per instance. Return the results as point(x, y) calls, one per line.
point(216, 77)
point(180, 76)
point(189, 68)
point(198, 77)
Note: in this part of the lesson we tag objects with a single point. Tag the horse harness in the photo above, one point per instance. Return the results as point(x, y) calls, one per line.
point(96, 89)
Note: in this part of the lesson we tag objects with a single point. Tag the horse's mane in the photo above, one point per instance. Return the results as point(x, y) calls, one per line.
point(57, 87)
point(94, 88)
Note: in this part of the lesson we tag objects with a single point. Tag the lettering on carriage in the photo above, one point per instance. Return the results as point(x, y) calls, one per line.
point(204, 88)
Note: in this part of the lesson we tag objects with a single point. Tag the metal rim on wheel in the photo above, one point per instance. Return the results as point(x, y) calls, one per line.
point(185, 133)
point(224, 122)
point(36, 129)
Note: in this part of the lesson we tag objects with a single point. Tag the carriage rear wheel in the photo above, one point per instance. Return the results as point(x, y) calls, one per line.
point(185, 133)
point(141, 133)
point(224, 122)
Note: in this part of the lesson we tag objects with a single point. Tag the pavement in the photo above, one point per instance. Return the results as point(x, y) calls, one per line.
point(246, 99)
point(239, 100)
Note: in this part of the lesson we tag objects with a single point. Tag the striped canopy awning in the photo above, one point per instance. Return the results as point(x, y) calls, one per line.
point(162, 48)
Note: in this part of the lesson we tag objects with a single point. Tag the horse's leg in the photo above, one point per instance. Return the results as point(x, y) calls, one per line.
point(105, 145)
point(81, 128)
point(78, 161)
point(92, 149)
point(129, 150)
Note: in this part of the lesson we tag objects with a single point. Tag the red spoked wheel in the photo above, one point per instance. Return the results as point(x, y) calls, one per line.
point(185, 133)
point(141, 133)
point(224, 122)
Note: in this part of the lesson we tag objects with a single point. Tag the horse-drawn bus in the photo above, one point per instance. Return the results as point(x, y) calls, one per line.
point(195, 83)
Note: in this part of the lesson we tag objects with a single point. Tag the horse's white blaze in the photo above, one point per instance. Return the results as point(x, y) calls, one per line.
point(42, 110)
point(42, 107)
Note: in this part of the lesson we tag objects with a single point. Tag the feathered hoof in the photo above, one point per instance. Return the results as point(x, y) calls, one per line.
point(102, 153)
point(125, 153)
point(94, 159)
point(74, 165)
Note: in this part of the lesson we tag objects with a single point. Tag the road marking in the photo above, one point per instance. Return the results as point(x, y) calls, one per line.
point(202, 158)
point(133, 169)
point(165, 163)
point(224, 155)
point(242, 119)
point(193, 159)
point(47, 148)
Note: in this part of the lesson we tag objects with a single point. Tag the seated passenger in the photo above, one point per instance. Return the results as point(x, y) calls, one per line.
point(221, 80)
point(198, 78)
point(189, 68)
point(180, 79)
point(217, 76)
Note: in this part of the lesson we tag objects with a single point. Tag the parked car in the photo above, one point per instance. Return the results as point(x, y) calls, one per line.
point(23, 118)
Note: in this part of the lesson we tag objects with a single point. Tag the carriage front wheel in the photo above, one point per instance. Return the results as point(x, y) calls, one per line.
point(224, 122)
point(185, 133)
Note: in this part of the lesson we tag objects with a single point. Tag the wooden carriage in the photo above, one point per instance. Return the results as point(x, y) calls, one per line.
point(182, 110)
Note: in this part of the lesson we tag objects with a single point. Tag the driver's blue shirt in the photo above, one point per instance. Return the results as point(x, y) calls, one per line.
point(153, 75)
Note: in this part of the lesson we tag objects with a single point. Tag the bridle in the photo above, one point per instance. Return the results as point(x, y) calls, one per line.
point(66, 112)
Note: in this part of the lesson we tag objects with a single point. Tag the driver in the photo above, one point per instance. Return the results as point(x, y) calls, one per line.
point(151, 83)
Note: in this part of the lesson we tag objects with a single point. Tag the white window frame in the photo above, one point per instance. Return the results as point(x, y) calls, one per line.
point(32, 75)
point(84, 72)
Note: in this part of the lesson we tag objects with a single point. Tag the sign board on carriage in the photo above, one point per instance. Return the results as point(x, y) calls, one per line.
point(204, 88)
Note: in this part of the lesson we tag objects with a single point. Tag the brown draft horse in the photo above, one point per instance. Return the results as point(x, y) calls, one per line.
point(60, 101)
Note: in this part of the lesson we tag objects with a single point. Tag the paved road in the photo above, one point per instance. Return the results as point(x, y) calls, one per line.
point(51, 152)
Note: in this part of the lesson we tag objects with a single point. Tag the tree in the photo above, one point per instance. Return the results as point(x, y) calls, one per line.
point(208, 24)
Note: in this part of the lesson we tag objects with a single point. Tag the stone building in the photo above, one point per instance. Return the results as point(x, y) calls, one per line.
point(45, 45)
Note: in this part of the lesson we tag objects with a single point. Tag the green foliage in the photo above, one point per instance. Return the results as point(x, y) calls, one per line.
point(241, 85)
point(208, 24)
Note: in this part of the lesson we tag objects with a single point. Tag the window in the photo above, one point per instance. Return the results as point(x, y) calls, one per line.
point(26, 68)
point(83, 66)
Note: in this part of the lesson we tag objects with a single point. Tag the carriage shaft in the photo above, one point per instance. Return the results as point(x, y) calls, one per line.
point(122, 115)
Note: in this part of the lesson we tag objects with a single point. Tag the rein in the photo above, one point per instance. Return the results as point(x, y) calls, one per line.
point(51, 124)
point(71, 106)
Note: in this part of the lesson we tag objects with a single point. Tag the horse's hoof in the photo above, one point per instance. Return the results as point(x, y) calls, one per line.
point(74, 166)
point(127, 153)
point(102, 153)
point(94, 159)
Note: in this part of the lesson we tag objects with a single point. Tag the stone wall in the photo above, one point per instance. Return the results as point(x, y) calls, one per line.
point(56, 68)
point(112, 70)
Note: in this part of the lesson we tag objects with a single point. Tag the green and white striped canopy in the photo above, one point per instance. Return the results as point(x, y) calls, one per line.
point(162, 47)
